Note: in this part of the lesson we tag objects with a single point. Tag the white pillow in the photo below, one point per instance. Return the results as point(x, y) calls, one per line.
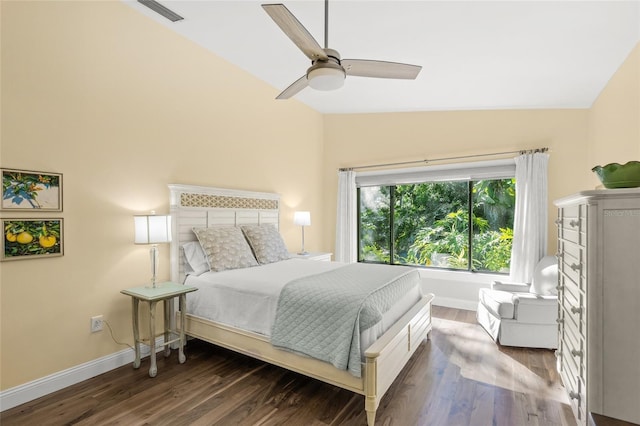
point(266, 243)
point(225, 247)
point(545, 277)
point(195, 259)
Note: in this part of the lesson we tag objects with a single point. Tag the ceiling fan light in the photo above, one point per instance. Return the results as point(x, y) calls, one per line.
point(326, 78)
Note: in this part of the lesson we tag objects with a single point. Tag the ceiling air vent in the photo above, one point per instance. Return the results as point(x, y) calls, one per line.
point(157, 7)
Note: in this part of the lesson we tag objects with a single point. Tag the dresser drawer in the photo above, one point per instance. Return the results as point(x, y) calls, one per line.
point(572, 335)
point(570, 212)
point(575, 319)
point(573, 301)
point(574, 351)
point(572, 224)
point(579, 403)
point(571, 249)
point(561, 342)
point(560, 288)
point(576, 390)
point(571, 235)
point(567, 284)
point(571, 369)
point(572, 268)
point(573, 262)
point(571, 289)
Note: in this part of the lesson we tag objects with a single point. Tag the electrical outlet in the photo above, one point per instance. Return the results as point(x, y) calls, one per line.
point(96, 323)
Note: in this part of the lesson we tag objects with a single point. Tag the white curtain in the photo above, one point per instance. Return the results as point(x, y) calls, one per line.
point(346, 221)
point(530, 221)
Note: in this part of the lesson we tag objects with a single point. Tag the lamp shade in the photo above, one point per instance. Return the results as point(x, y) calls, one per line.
point(302, 218)
point(151, 229)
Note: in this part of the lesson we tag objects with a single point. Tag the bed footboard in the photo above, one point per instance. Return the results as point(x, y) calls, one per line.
point(259, 347)
point(385, 358)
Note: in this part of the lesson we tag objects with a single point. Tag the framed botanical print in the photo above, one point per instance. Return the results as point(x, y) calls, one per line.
point(24, 190)
point(31, 238)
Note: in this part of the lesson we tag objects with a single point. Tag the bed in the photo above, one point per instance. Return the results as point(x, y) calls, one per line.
point(384, 353)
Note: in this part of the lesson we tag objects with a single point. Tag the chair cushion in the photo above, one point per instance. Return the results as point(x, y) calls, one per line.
point(535, 309)
point(500, 303)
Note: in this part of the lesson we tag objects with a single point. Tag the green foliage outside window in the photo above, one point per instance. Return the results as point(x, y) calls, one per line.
point(428, 224)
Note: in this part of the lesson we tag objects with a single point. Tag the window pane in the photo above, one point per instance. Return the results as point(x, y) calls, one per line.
point(493, 208)
point(428, 224)
point(374, 224)
point(432, 224)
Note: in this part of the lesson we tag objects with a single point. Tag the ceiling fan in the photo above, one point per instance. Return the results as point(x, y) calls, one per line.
point(328, 71)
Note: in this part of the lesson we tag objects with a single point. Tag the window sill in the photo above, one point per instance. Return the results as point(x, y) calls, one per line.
point(461, 276)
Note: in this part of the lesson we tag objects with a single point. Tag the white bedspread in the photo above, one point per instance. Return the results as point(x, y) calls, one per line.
point(247, 298)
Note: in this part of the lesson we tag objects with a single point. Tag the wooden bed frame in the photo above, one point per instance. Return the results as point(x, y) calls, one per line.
point(204, 206)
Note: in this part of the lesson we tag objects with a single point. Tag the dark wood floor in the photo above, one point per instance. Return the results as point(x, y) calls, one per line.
point(458, 377)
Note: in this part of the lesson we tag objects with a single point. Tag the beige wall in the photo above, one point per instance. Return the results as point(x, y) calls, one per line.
point(614, 118)
point(122, 107)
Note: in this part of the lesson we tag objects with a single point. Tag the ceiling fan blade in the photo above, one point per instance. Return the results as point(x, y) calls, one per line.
point(294, 88)
point(380, 69)
point(295, 31)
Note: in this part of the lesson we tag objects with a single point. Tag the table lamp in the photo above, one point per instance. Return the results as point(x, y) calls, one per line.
point(154, 230)
point(303, 219)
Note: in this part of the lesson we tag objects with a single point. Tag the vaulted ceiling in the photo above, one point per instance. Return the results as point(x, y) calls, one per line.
point(474, 54)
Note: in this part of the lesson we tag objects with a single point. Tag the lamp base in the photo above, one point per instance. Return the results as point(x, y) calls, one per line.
point(155, 258)
point(153, 284)
point(303, 253)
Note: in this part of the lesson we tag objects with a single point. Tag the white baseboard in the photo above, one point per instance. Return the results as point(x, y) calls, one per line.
point(449, 302)
point(35, 389)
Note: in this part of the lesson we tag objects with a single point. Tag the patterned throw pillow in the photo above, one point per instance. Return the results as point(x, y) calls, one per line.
point(225, 247)
point(266, 242)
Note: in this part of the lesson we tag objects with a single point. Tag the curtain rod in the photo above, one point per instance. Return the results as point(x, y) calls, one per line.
point(427, 161)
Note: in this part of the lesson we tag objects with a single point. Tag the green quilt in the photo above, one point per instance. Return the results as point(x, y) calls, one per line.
point(322, 315)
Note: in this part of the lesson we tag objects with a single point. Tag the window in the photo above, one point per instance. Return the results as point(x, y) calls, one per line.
point(456, 224)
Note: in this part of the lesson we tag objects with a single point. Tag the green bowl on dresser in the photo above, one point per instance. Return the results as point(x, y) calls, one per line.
point(615, 175)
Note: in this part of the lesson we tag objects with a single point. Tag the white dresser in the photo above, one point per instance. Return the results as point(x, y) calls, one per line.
point(598, 352)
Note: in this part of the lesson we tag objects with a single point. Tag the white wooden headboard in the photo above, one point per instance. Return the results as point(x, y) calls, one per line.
point(200, 206)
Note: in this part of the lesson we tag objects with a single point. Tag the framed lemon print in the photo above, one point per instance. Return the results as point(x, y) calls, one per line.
point(24, 190)
point(31, 238)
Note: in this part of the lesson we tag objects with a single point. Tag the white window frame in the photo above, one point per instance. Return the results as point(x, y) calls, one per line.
point(471, 171)
point(477, 170)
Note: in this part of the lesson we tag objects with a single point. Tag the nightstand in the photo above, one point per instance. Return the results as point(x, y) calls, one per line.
point(164, 292)
point(325, 257)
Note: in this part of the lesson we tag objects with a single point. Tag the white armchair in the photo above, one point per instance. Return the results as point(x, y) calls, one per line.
point(520, 314)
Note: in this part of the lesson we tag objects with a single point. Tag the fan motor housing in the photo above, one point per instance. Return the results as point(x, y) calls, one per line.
point(326, 74)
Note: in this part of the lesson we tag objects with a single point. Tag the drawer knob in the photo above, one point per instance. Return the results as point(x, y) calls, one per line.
point(559, 320)
point(576, 353)
point(575, 310)
point(559, 255)
point(574, 395)
point(558, 221)
point(558, 354)
point(574, 223)
point(559, 287)
point(576, 266)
